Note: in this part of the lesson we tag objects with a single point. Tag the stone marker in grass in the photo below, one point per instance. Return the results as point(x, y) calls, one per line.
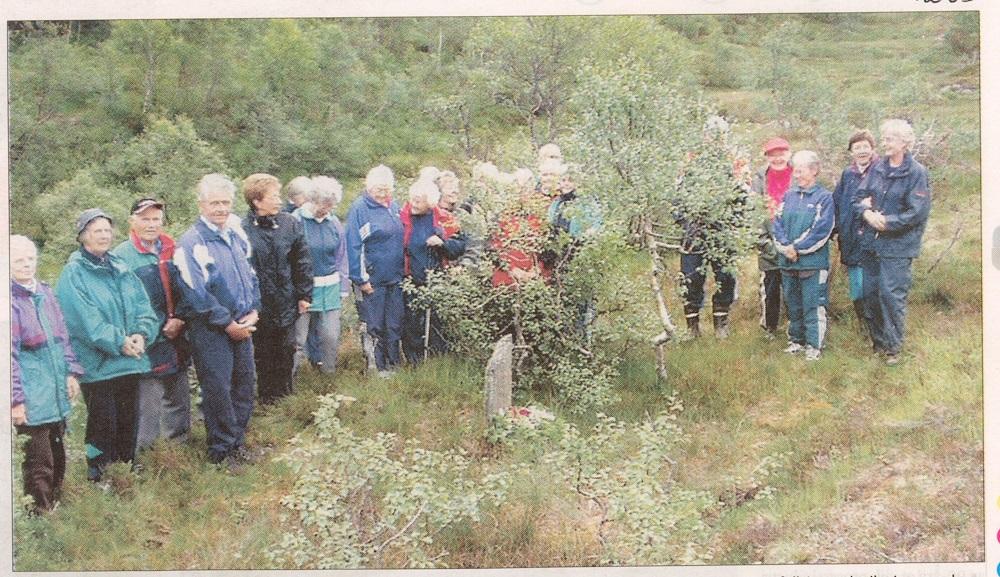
point(499, 377)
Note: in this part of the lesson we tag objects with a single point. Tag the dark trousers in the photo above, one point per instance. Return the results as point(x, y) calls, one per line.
point(894, 282)
point(414, 329)
point(112, 421)
point(226, 374)
point(44, 462)
point(694, 285)
point(274, 356)
point(384, 315)
point(871, 307)
point(770, 299)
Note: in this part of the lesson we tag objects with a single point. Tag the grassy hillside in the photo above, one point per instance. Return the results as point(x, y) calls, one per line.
point(844, 460)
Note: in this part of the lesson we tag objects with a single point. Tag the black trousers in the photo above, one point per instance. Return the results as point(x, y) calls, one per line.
point(112, 418)
point(770, 299)
point(274, 356)
point(44, 462)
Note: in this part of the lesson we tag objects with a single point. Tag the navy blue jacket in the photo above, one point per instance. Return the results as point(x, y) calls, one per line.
point(903, 195)
point(374, 242)
point(219, 284)
point(804, 220)
point(850, 226)
point(421, 258)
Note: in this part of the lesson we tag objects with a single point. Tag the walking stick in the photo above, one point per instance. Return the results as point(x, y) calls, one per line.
point(427, 331)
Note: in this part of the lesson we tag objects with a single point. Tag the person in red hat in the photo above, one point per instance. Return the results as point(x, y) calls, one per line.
point(771, 182)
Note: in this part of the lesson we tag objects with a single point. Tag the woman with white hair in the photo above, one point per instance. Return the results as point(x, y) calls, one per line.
point(328, 247)
point(803, 223)
point(375, 260)
point(296, 193)
point(894, 201)
point(426, 245)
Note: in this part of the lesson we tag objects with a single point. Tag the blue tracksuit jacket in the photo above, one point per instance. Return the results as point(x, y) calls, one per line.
point(805, 220)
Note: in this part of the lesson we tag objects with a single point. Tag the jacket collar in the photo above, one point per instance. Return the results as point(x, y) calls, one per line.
point(19, 290)
point(871, 164)
point(900, 171)
point(807, 192)
point(372, 203)
point(166, 245)
point(270, 221)
point(116, 264)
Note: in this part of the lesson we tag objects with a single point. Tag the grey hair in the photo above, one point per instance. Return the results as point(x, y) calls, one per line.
point(299, 186)
point(552, 165)
point(901, 128)
point(425, 188)
point(429, 173)
point(806, 158)
point(214, 182)
point(550, 150)
point(381, 175)
point(18, 242)
point(324, 189)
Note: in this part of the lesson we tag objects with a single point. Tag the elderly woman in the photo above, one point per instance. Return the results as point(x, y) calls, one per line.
point(44, 374)
point(771, 183)
point(426, 245)
point(460, 217)
point(110, 320)
point(328, 247)
point(894, 201)
point(375, 260)
point(850, 226)
point(296, 193)
point(802, 224)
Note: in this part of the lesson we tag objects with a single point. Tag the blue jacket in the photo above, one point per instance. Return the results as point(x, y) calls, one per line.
point(152, 269)
point(903, 195)
point(328, 248)
point(40, 354)
point(850, 226)
point(103, 304)
point(804, 220)
point(219, 285)
point(374, 242)
point(420, 258)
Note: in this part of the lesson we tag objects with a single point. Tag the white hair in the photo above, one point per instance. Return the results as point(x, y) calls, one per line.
point(214, 182)
point(381, 175)
point(548, 151)
point(553, 166)
point(299, 186)
point(523, 176)
point(485, 170)
point(901, 128)
point(427, 189)
point(20, 242)
point(806, 158)
point(429, 173)
point(324, 189)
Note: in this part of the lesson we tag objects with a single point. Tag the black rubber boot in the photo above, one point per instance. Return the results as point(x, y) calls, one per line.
point(720, 320)
point(859, 311)
point(692, 323)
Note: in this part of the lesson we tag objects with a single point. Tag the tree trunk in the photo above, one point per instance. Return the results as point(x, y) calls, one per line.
point(656, 269)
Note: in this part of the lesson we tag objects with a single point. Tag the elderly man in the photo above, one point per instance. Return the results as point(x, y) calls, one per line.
point(284, 270)
point(375, 259)
point(895, 201)
point(109, 320)
point(164, 397)
point(221, 291)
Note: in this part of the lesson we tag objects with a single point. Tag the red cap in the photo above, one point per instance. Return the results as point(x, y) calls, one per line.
point(776, 143)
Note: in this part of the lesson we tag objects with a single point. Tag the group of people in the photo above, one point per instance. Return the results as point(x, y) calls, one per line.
point(247, 301)
point(250, 300)
point(878, 212)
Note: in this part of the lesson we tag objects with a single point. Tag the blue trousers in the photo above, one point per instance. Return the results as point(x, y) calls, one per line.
point(694, 285)
point(226, 374)
point(805, 299)
point(384, 315)
point(414, 323)
point(894, 281)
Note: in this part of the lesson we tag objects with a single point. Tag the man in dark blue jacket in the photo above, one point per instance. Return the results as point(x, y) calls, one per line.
point(895, 201)
point(222, 294)
point(375, 259)
point(850, 225)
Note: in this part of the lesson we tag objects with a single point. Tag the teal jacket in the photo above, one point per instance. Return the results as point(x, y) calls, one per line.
point(102, 305)
point(804, 220)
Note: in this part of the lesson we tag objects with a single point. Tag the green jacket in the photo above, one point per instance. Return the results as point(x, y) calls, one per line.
point(102, 305)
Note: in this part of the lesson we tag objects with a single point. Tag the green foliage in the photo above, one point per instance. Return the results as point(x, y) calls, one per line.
point(359, 500)
point(963, 35)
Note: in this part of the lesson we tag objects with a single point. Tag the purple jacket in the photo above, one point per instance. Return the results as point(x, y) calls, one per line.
point(41, 356)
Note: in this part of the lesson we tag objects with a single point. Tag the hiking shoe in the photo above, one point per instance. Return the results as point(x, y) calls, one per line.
point(386, 374)
point(232, 464)
point(892, 359)
point(244, 455)
point(770, 335)
point(812, 354)
point(794, 348)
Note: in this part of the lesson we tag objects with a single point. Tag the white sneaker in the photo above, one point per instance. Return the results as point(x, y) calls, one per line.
point(386, 374)
point(794, 348)
point(812, 354)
